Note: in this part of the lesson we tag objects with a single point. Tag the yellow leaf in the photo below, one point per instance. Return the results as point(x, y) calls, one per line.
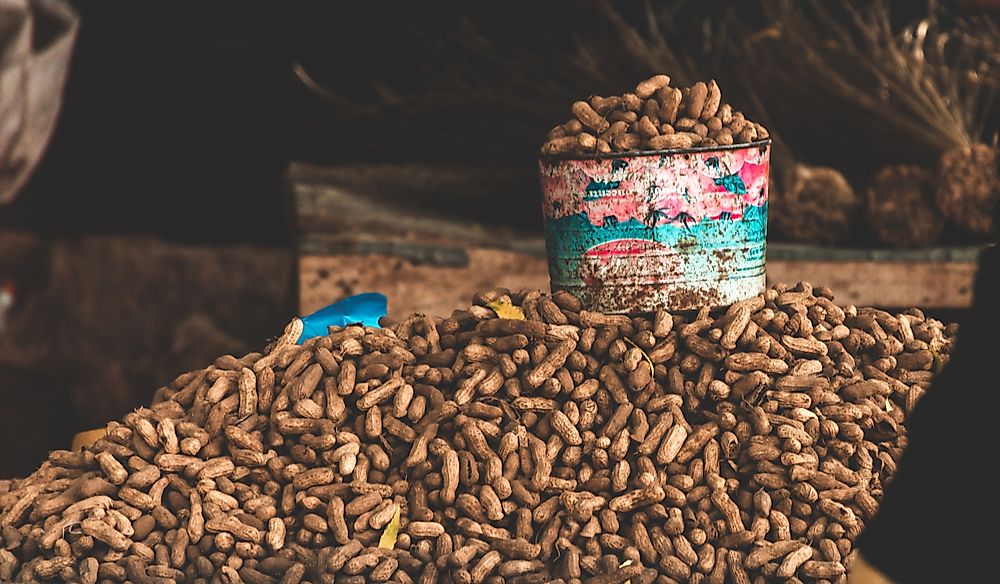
point(888, 405)
point(85, 439)
point(506, 310)
point(391, 531)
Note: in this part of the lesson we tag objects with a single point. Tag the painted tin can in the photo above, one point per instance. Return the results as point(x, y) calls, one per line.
point(672, 229)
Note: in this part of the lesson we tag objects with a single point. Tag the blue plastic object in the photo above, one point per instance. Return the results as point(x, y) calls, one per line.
point(365, 309)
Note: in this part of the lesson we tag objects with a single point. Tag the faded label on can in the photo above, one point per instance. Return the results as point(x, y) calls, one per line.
point(675, 231)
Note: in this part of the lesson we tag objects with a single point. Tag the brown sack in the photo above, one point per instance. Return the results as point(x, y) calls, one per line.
point(36, 40)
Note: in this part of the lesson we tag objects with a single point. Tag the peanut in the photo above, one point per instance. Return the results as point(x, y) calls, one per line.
point(532, 450)
point(645, 89)
point(647, 118)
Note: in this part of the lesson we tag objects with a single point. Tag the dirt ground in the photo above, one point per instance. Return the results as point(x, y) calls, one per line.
point(100, 322)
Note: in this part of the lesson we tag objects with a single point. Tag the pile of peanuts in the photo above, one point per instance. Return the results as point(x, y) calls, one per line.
point(742, 444)
point(655, 116)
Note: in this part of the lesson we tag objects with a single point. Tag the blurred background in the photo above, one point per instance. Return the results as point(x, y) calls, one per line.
point(214, 168)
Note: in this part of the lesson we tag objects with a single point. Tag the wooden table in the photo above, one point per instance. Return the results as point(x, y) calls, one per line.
point(377, 228)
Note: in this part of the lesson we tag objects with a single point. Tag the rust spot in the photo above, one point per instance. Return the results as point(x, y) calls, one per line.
point(725, 258)
point(693, 298)
point(638, 296)
point(724, 255)
point(618, 299)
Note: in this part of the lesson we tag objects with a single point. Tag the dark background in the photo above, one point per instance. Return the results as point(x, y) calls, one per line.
point(179, 118)
point(155, 234)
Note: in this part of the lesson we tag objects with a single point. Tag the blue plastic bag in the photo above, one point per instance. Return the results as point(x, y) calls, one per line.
point(365, 309)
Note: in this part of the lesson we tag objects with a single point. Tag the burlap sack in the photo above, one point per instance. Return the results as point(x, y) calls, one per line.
point(36, 41)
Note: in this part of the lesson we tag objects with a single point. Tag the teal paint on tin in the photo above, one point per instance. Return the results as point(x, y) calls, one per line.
point(674, 230)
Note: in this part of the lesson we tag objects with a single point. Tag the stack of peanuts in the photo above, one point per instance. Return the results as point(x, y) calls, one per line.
point(655, 116)
point(743, 444)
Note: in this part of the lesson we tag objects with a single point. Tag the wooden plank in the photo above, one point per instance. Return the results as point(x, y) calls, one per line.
point(416, 251)
point(799, 251)
point(406, 216)
point(429, 204)
point(894, 284)
point(428, 213)
point(415, 287)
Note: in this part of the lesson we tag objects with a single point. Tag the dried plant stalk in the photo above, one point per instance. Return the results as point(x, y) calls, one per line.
point(917, 96)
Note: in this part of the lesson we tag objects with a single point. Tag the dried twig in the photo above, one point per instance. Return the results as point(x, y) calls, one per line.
point(926, 89)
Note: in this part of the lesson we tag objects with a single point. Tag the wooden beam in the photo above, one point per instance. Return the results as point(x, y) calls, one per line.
point(444, 205)
point(415, 287)
point(438, 289)
point(894, 284)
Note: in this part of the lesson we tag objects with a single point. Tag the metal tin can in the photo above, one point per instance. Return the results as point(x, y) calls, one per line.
point(673, 229)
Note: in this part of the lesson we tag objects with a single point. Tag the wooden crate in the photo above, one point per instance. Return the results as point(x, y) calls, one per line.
point(935, 278)
point(376, 229)
point(380, 228)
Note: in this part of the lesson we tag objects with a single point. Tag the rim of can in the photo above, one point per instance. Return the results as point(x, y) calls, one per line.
point(641, 153)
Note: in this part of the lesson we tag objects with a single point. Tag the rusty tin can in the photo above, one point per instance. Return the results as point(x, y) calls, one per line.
point(673, 229)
